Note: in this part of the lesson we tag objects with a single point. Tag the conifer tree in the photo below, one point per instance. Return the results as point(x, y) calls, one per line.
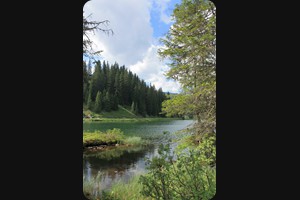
point(90, 102)
point(98, 104)
point(107, 102)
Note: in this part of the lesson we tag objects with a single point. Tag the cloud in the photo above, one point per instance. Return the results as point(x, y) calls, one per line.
point(130, 22)
point(132, 43)
point(162, 7)
point(152, 69)
point(166, 85)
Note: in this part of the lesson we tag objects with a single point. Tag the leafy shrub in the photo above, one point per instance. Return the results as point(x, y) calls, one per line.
point(191, 176)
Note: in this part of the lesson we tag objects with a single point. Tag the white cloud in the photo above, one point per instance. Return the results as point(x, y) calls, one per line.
point(132, 43)
point(162, 6)
point(130, 22)
point(167, 85)
point(152, 69)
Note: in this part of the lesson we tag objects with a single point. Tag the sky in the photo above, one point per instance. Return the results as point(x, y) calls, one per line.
point(137, 25)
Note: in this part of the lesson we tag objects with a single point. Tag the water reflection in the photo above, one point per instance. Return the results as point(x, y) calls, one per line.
point(122, 163)
point(116, 164)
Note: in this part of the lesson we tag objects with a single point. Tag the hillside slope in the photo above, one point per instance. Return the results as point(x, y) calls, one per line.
point(122, 112)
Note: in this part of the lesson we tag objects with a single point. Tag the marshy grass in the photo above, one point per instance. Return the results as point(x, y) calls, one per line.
point(91, 187)
point(133, 140)
point(111, 137)
point(119, 190)
point(127, 191)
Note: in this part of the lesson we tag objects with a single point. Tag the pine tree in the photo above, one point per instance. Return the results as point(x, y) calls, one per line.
point(190, 46)
point(136, 110)
point(114, 101)
point(119, 86)
point(96, 81)
point(98, 104)
point(90, 102)
point(107, 102)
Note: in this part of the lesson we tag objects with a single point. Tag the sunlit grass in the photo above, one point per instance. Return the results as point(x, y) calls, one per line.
point(128, 191)
point(119, 190)
point(133, 140)
point(113, 136)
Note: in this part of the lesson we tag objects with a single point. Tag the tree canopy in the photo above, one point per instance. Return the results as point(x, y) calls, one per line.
point(112, 85)
point(190, 46)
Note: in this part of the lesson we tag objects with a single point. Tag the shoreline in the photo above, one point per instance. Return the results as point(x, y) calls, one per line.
point(102, 147)
point(146, 119)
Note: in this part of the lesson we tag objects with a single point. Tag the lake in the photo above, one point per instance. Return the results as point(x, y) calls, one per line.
point(122, 163)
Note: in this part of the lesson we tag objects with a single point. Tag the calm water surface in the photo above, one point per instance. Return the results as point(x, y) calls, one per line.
point(122, 163)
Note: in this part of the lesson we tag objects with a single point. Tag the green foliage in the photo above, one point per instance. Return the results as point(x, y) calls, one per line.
point(191, 176)
point(107, 102)
point(90, 102)
point(190, 45)
point(121, 114)
point(89, 186)
point(133, 140)
point(111, 136)
point(98, 103)
point(179, 105)
point(128, 191)
point(207, 148)
point(119, 86)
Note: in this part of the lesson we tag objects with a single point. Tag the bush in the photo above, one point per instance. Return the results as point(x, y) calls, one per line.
point(191, 176)
point(114, 135)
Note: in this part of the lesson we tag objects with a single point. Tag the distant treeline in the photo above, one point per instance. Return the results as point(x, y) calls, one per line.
point(110, 86)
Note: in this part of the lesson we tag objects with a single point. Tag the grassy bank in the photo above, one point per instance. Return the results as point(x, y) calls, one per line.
point(146, 119)
point(110, 137)
point(123, 114)
point(119, 191)
point(127, 191)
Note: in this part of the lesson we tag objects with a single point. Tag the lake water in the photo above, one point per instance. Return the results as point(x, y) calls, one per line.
point(122, 163)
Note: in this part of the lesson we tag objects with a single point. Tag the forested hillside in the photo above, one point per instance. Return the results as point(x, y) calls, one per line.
point(112, 85)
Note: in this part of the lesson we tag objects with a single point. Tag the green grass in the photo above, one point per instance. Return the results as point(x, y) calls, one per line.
point(133, 140)
point(110, 137)
point(113, 136)
point(119, 190)
point(123, 114)
point(89, 186)
point(127, 191)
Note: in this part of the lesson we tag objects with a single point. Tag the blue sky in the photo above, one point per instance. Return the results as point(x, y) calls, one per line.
point(160, 28)
point(138, 25)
